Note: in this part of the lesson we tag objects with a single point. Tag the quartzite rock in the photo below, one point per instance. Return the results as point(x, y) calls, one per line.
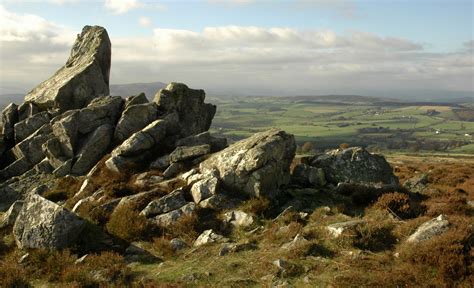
point(308, 175)
point(44, 224)
point(182, 153)
point(84, 77)
point(355, 165)
point(26, 127)
point(165, 204)
point(204, 189)
point(169, 218)
point(256, 166)
point(430, 229)
point(9, 118)
point(135, 100)
point(134, 118)
point(216, 144)
point(9, 217)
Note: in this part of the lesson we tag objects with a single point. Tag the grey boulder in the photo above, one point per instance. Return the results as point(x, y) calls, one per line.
point(44, 224)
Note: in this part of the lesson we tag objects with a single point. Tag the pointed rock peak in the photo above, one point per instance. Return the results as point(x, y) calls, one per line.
point(84, 77)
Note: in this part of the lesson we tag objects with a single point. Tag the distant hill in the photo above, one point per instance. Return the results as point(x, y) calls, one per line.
point(125, 90)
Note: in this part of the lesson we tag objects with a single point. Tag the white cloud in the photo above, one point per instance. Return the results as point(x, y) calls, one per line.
point(238, 59)
point(122, 6)
point(145, 22)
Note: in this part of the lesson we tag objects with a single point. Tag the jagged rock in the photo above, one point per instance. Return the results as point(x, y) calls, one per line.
point(430, 229)
point(204, 189)
point(307, 175)
point(8, 195)
point(355, 165)
point(337, 229)
point(220, 202)
point(84, 77)
point(216, 144)
point(44, 224)
point(25, 128)
point(53, 150)
point(26, 110)
point(194, 115)
point(92, 150)
point(71, 126)
point(161, 162)
point(64, 169)
point(178, 244)
point(135, 100)
point(236, 247)
point(239, 218)
point(8, 119)
point(9, 217)
point(165, 204)
point(44, 167)
point(146, 179)
point(207, 237)
point(182, 153)
point(256, 166)
point(134, 118)
point(172, 170)
point(169, 218)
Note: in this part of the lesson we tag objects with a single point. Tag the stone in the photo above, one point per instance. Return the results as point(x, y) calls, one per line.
point(135, 100)
point(178, 244)
point(216, 144)
point(165, 204)
point(8, 196)
point(145, 180)
point(238, 218)
point(236, 247)
point(355, 165)
point(26, 110)
point(307, 175)
point(256, 166)
point(9, 217)
point(25, 128)
point(417, 184)
point(64, 169)
point(281, 264)
point(84, 77)
point(161, 162)
point(430, 229)
point(93, 149)
point(44, 224)
point(207, 237)
point(172, 170)
point(204, 189)
point(194, 115)
point(8, 119)
point(135, 253)
point(53, 150)
point(182, 153)
point(170, 218)
point(337, 229)
point(133, 119)
point(297, 242)
point(220, 202)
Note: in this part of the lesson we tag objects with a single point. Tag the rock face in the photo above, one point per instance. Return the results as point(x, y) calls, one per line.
point(256, 166)
point(84, 77)
point(44, 224)
point(355, 165)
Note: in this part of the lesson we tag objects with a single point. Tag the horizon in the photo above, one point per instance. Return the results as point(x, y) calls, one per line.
point(282, 48)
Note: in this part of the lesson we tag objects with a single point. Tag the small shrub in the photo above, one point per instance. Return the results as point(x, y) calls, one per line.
point(48, 265)
point(163, 247)
point(185, 228)
point(278, 235)
point(399, 204)
point(127, 223)
point(12, 274)
point(257, 206)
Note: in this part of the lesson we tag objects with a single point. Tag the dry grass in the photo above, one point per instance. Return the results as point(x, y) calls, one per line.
point(127, 223)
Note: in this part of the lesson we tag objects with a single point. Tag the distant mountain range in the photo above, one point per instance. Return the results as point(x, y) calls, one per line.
point(124, 90)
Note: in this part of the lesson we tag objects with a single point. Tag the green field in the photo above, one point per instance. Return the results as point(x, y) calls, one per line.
point(398, 127)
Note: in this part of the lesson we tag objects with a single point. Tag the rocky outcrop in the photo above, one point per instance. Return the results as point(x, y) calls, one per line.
point(44, 224)
point(134, 118)
point(9, 217)
point(84, 77)
point(256, 166)
point(355, 165)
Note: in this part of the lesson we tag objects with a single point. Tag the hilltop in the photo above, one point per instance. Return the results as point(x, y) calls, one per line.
point(99, 190)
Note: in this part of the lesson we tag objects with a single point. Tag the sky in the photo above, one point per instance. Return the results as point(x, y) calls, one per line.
point(251, 47)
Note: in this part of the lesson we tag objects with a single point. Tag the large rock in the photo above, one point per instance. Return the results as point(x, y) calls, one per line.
point(172, 217)
point(26, 127)
point(216, 144)
point(182, 153)
point(195, 116)
point(165, 204)
point(44, 224)
point(84, 77)
point(94, 147)
point(134, 118)
point(256, 166)
point(355, 165)
point(9, 217)
point(9, 118)
point(307, 175)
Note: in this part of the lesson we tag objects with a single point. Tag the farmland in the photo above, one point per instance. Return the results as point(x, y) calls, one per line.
point(356, 120)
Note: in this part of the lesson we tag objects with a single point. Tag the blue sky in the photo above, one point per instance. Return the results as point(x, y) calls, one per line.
point(411, 44)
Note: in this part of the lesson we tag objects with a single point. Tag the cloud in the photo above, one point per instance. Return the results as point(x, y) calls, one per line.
point(145, 22)
point(240, 60)
point(121, 6)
